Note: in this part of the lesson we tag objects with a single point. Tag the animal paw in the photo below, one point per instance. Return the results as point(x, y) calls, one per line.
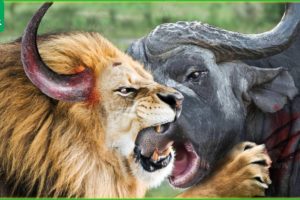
point(244, 172)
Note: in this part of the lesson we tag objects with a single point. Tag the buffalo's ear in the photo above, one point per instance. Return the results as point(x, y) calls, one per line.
point(268, 88)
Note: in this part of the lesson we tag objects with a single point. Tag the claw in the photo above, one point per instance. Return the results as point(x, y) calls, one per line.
point(265, 186)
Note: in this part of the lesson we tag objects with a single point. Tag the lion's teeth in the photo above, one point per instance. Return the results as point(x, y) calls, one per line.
point(158, 128)
point(155, 155)
point(166, 152)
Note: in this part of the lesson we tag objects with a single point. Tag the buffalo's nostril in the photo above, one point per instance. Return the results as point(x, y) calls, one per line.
point(172, 99)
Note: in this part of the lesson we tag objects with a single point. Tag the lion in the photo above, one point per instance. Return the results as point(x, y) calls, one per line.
point(74, 110)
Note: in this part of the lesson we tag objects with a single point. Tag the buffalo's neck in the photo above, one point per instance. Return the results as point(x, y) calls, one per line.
point(281, 133)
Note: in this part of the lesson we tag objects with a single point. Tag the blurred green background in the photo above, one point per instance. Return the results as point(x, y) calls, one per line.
point(124, 22)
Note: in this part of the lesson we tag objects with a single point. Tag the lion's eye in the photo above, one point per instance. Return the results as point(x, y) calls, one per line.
point(196, 75)
point(125, 91)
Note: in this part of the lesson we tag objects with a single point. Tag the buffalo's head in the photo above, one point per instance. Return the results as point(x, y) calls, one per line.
point(205, 64)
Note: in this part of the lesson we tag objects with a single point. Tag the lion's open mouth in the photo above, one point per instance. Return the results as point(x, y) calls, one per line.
point(154, 150)
point(187, 166)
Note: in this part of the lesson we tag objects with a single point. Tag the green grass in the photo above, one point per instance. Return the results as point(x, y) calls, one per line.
point(124, 22)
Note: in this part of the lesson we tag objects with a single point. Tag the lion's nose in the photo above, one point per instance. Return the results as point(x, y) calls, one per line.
point(174, 100)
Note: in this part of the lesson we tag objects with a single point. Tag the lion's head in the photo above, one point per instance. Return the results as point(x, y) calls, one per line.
point(133, 102)
point(82, 116)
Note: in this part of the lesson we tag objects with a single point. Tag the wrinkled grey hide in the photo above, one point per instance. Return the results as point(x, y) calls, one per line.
point(228, 98)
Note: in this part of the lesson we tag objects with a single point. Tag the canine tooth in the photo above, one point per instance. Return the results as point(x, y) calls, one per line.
point(158, 128)
point(166, 152)
point(155, 155)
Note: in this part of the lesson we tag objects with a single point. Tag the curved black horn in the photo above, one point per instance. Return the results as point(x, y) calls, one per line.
point(227, 45)
point(77, 87)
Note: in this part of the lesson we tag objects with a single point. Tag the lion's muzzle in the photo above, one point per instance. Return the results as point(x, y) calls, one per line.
point(153, 144)
point(174, 100)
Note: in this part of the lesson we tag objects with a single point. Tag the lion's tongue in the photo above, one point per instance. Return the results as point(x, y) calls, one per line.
point(181, 162)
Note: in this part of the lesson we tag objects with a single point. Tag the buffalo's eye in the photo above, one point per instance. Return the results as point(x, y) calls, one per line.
point(125, 91)
point(196, 76)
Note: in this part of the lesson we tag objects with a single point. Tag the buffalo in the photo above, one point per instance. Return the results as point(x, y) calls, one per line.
point(237, 87)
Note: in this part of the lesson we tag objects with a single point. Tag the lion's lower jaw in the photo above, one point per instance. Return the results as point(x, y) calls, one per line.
point(152, 179)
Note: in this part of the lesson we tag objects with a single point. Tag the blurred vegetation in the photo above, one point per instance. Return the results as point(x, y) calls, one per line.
point(124, 22)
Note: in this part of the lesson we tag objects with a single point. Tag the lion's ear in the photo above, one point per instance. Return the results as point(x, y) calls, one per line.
point(268, 89)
